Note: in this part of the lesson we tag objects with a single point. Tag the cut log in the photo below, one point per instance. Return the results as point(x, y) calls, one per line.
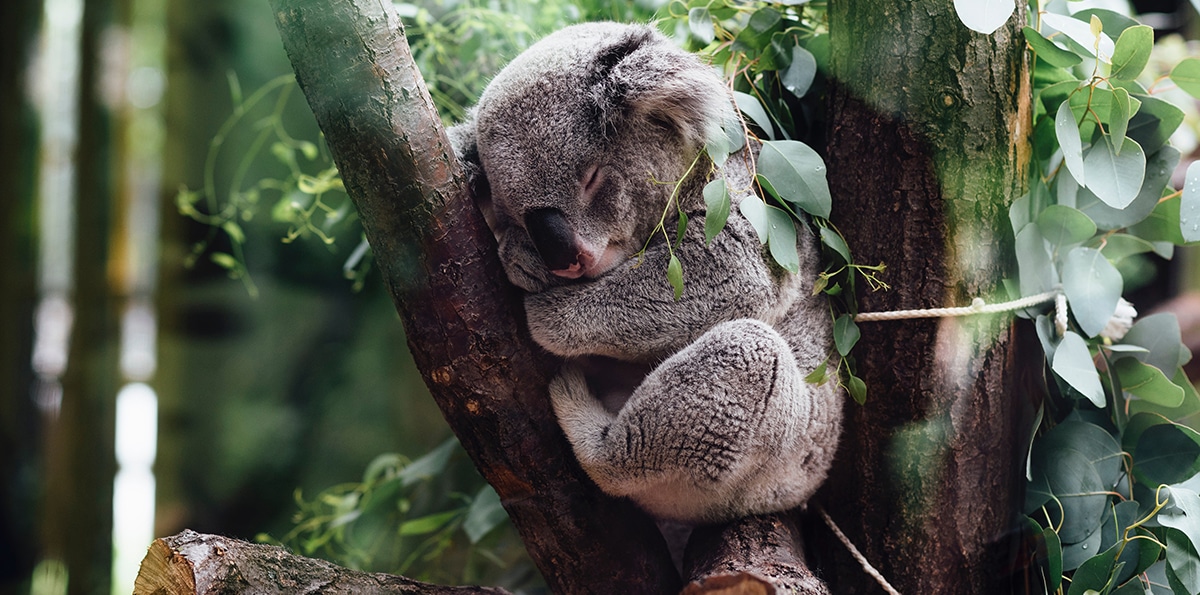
point(758, 554)
point(191, 563)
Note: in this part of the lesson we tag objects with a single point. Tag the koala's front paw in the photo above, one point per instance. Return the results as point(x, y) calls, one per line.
point(522, 264)
point(571, 398)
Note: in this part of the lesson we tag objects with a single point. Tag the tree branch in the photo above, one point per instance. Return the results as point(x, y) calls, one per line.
point(191, 563)
point(438, 260)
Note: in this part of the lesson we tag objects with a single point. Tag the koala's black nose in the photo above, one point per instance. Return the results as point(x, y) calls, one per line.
point(553, 237)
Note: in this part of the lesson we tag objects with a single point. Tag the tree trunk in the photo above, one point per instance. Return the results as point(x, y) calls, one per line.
point(438, 260)
point(927, 145)
point(19, 20)
point(80, 457)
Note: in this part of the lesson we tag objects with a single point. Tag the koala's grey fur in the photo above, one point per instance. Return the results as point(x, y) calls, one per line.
point(574, 140)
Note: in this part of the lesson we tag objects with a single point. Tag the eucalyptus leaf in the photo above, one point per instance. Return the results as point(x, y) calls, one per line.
point(798, 173)
point(716, 208)
point(429, 465)
point(1072, 479)
point(1095, 574)
point(1147, 382)
point(1118, 117)
point(675, 276)
point(484, 515)
point(857, 389)
point(1054, 557)
point(1115, 176)
point(1066, 129)
point(1159, 168)
point(1186, 75)
point(799, 75)
point(984, 16)
point(700, 23)
point(1035, 269)
point(845, 334)
point(1049, 51)
point(1154, 123)
point(1132, 52)
point(428, 524)
point(1061, 225)
point(781, 239)
point(1160, 335)
point(1073, 363)
point(1098, 45)
point(754, 110)
point(1183, 562)
point(1166, 454)
point(835, 242)
point(1120, 246)
point(1093, 287)
point(755, 211)
point(1189, 204)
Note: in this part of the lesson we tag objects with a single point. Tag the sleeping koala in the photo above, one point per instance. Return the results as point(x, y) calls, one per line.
point(573, 153)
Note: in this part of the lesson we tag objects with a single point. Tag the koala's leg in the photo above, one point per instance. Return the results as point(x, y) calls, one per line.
point(699, 429)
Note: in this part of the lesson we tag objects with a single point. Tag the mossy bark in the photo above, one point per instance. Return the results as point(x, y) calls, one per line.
point(928, 140)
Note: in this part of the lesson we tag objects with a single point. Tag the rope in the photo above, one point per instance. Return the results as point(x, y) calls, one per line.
point(978, 306)
point(862, 560)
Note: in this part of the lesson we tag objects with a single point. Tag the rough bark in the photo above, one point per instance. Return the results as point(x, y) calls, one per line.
point(758, 554)
point(928, 476)
point(438, 261)
point(191, 563)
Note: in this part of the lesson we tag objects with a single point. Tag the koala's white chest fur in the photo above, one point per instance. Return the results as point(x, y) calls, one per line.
point(715, 421)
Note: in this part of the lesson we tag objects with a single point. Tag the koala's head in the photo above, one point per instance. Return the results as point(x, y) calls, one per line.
point(577, 135)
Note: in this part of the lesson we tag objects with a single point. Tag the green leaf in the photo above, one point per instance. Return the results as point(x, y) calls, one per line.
point(1062, 225)
point(1166, 454)
point(675, 276)
point(834, 240)
point(1160, 335)
point(984, 16)
point(845, 334)
point(1073, 363)
point(1082, 34)
point(700, 23)
point(1072, 479)
point(1036, 271)
point(800, 73)
point(819, 374)
point(1182, 517)
point(1118, 117)
point(428, 524)
point(1186, 75)
point(1159, 168)
point(1183, 562)
point(781, 238)
point(1054, 557)
point(1096, 574)
point(716, 208)
point(1114, 23)
point(754, 110)
point(1147, 382)
point(798, 173)
point(484, 515)
point(857, 388)
point(680, 227)
point(1154, 123)
point(428, 465)
point(1066, 129)
point(1120, 246)
point(1093, 287)
point(1189, 204)
point(1132, 52)
point(1115, 178)
point(755, 211)
point(1049, 51)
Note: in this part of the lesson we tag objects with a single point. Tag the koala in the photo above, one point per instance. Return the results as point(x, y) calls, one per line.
point(696, 408)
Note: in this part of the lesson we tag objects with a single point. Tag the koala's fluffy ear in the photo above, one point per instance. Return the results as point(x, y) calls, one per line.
point(462, 139)
point(642, 77)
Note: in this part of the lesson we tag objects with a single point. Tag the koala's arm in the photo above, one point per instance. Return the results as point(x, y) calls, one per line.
point(630, 313)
